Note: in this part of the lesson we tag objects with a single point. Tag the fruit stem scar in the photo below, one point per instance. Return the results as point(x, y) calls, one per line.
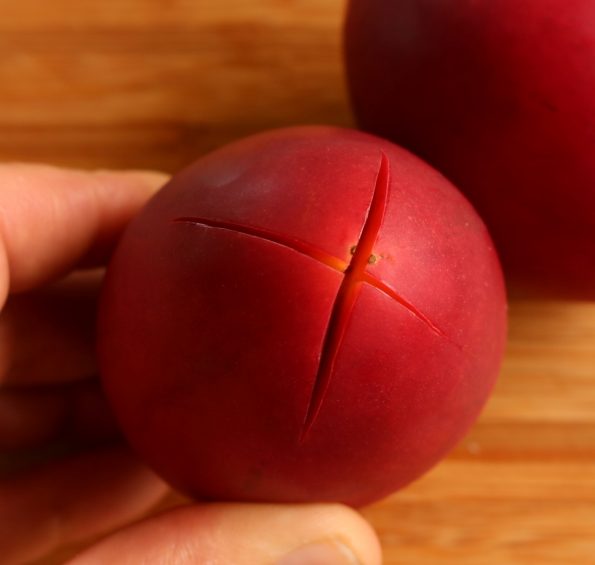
point(347, 295)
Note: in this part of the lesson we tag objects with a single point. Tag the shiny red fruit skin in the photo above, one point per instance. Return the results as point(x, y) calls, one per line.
point(500, 97)
point(310, 314)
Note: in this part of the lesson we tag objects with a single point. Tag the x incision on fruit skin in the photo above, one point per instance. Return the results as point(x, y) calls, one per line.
point(354, 276)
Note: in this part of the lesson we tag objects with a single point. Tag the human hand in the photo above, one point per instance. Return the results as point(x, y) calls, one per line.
point(55, 227)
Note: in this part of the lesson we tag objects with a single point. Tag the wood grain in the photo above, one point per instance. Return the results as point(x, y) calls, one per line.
point(155, 83)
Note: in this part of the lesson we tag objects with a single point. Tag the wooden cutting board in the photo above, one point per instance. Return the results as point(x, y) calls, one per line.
point(155, 83)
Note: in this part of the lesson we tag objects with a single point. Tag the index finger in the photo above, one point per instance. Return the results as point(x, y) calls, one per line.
point(51, 219)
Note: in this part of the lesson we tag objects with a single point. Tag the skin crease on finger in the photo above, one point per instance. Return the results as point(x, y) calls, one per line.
point(77, 413)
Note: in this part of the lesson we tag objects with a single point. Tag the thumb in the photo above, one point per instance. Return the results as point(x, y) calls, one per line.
point(242, 534)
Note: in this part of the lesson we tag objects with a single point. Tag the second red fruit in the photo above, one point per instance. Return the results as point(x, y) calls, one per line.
point(499, 95)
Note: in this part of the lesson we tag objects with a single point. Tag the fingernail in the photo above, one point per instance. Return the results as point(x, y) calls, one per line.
point(324, 553)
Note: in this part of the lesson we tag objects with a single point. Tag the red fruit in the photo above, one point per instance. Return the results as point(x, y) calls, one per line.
point(307, 314)
point(500, 96)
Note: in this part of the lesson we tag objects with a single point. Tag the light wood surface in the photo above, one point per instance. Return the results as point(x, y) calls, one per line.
point(154, 84)
point(140, 83)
